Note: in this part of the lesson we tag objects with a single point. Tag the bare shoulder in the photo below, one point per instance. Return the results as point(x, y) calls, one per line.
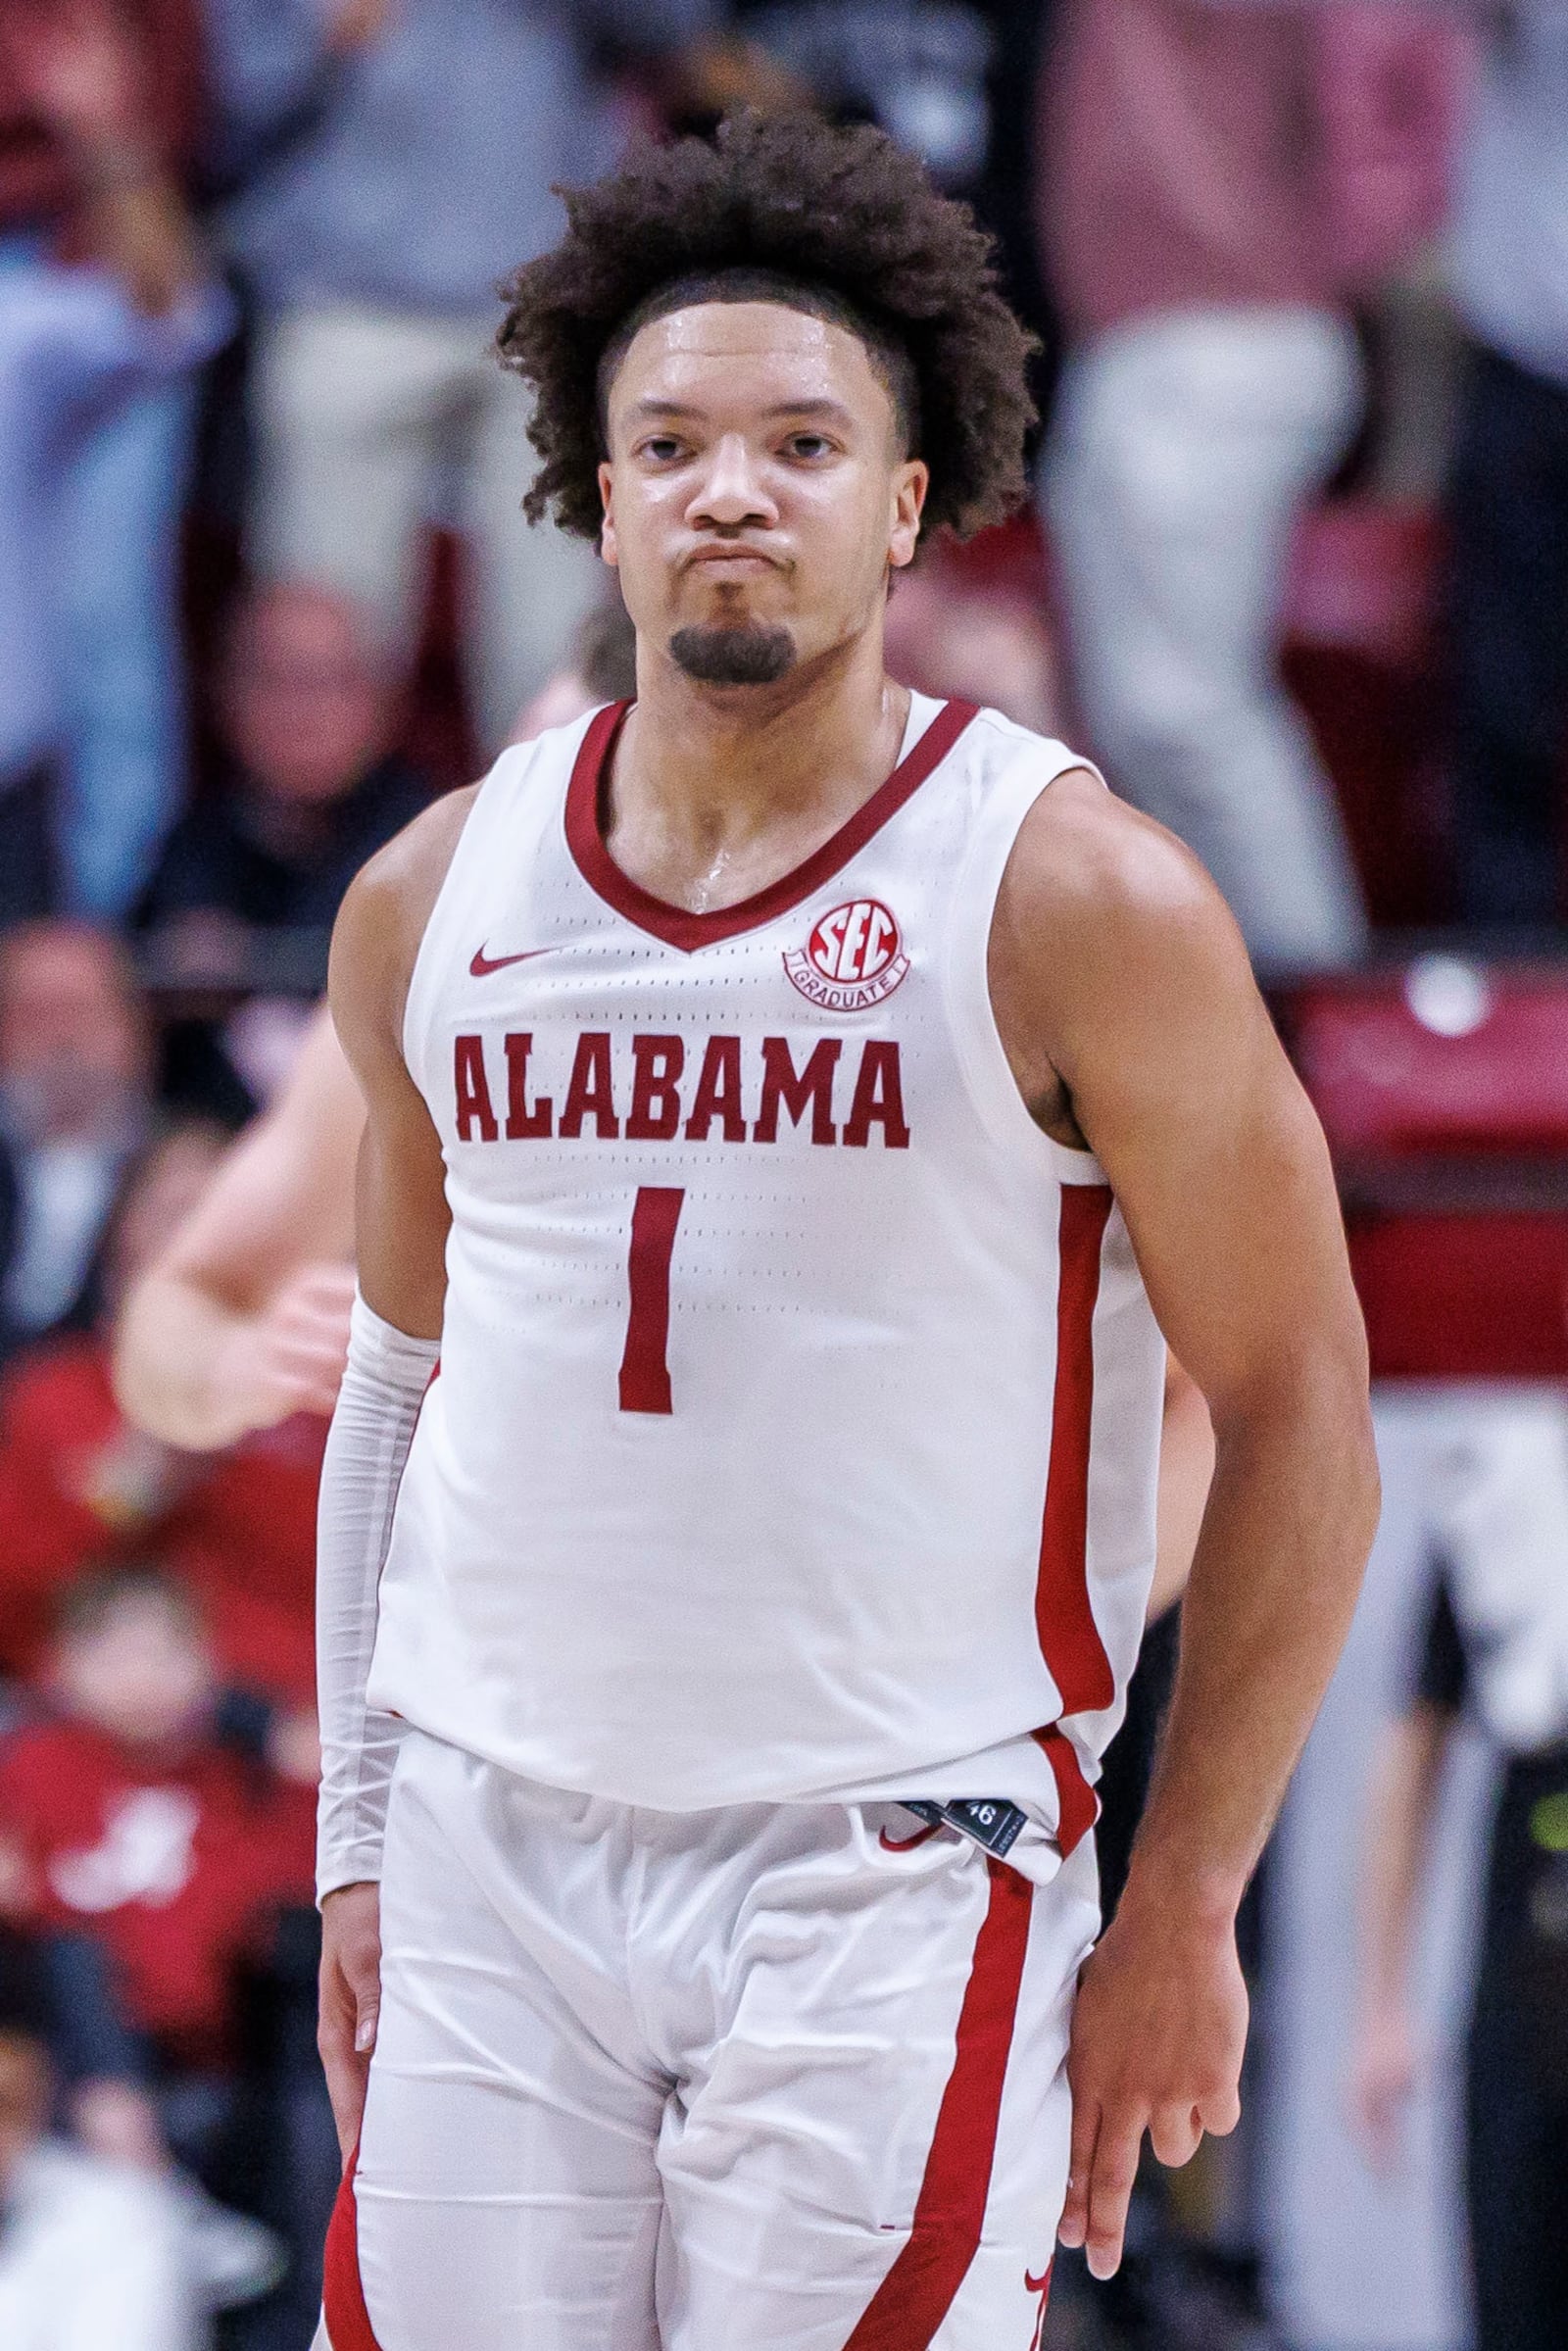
point(381, 922)
point(1095, 893)
point(399, 886)
point(1110, 942)
point(1083, 858)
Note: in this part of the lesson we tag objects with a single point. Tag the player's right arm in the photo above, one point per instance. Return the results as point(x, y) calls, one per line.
point(401, 1229)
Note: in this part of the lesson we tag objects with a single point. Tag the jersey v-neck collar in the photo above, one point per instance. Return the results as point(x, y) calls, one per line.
point(677, 926)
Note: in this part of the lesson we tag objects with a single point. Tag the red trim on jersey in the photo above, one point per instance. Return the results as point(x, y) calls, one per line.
point(687, 931)
point(1077, 1805)
point(348, 2321)
point(1070, 1638)
point(645, 1362)
point(918, 2292)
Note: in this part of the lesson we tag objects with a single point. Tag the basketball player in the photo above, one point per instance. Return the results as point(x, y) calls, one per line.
point(794, 1112)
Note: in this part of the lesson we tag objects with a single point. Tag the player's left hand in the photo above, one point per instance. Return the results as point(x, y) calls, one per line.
point(1157, 2037)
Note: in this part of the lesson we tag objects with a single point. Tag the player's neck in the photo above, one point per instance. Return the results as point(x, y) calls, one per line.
point(712, 786)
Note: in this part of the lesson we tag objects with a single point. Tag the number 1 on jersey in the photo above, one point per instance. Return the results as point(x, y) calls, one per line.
point(645, 1365)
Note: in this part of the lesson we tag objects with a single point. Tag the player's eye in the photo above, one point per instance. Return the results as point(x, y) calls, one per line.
point(808, 445)
point(661, 447)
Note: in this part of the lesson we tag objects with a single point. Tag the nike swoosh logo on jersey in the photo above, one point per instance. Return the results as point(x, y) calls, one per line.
point(483, 964)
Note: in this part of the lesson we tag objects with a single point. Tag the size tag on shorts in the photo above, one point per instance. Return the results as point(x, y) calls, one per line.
point(990, 1821)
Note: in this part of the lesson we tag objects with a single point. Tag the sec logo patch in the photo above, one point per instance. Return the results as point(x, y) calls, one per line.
point(852, 960)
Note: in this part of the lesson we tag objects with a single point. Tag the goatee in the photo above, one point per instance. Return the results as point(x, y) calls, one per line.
point(749, 654)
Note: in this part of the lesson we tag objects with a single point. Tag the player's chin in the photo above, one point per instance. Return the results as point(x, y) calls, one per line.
point(743, 652)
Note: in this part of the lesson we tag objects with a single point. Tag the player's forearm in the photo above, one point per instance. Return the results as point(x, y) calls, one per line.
point(367, 1447)
point(1398, 1818)
point(169, 1349)
point(1284, 1537)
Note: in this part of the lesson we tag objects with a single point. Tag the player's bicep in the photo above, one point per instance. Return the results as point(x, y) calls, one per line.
point(401, 1213)
point(1229, 1196)
point(402, 1218)
point(1184, 1092)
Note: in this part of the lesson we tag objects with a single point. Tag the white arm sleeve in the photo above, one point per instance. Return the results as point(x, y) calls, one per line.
point(372, 1428)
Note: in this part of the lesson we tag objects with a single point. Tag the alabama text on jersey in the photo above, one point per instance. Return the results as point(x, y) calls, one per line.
point(797, 1426)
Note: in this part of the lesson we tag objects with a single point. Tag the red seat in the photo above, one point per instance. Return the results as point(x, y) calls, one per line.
point(1360, 657)
point(1464, 1296)
point(1443, 1057)
point(1364, 577)
point(1443, 1088)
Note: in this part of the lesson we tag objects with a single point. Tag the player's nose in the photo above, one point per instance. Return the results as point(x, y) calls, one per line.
point(732, 491)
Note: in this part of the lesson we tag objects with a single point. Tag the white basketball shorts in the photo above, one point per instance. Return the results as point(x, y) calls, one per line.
point(771, 2078)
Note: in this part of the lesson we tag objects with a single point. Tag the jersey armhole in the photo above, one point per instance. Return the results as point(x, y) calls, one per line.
point(966, 984)
point(493, 814)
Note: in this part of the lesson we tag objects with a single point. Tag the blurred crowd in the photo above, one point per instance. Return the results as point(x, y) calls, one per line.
point(1297, 575)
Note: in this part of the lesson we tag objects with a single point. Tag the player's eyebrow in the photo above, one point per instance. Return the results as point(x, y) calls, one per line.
point(670, 411)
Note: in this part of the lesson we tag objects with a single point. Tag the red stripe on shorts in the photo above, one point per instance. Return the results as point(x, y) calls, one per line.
point(348, 2321)
point(1070, 1638)
point(1077, 1805)
point(915, 2295)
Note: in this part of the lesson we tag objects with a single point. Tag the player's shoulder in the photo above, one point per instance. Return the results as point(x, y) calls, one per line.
point(412, 864)
point(398, 886)
point(1082, 853)
point(1096, 898)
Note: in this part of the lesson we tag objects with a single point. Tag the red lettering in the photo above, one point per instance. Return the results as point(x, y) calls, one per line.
point(657, 1064)
point(525, 1120)
point(590, 1093)
point(878, 1096)
point(645, 1364)
point(795, 1089)
point(718, 1093)
point(472, 1089)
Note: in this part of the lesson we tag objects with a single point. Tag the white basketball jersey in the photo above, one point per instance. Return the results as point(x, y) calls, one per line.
point(797, 1425)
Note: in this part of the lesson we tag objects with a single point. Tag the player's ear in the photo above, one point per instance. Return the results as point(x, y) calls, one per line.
point(607, 532)
point(910, 485)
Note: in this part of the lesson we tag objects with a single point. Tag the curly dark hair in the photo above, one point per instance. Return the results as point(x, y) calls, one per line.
point(841, 215)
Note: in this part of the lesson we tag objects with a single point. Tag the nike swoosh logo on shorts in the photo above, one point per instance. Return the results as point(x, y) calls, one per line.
point(906, 1844)
point(483, 964)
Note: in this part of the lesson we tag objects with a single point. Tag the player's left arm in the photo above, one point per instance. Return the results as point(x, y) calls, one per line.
point(1129, 1011)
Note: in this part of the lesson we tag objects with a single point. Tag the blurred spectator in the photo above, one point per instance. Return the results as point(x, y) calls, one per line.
point(79, 1485)
point(412, 148)
point(74, 1109)
point(1510, 493)
point(1495, 1649)
point(104, 309)
point(921, 68)
point(91, 2256)
point(1213, 182)
point(143, 1832)
point(601, 666)
point(310, 789)
point(948, 637)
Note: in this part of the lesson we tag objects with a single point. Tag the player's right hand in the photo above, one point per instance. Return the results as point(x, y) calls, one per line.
point(350, 2002)
point(290, 1357)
